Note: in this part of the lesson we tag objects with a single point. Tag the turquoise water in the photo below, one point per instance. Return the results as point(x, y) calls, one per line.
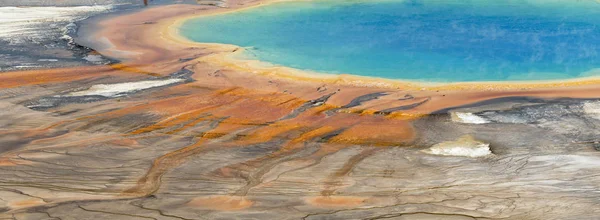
point(443, 41)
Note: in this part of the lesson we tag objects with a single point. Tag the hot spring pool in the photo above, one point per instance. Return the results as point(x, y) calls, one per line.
point(422, 40)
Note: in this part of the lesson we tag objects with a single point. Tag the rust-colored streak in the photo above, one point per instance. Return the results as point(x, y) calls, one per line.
point(62, 75)
point(186, 120)
point(36, 77)
point(221, 203)
point(336, 202)
point(26, 203)
point(132, 69)
point(377, 132)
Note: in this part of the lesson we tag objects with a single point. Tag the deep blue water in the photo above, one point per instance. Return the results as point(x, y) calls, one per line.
point(485, 40)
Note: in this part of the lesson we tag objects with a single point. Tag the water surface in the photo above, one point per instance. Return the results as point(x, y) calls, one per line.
point(417, 40)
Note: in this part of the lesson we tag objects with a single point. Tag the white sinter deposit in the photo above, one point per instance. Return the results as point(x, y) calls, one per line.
point(467, 118)
point(592, 109)
point(465, 146)
point(120, 89)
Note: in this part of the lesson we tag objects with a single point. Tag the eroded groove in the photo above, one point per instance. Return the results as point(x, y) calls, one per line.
point(333, 182)
point(308, 105)
point(254, 177)
point(363, 98)
point(402, 108)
